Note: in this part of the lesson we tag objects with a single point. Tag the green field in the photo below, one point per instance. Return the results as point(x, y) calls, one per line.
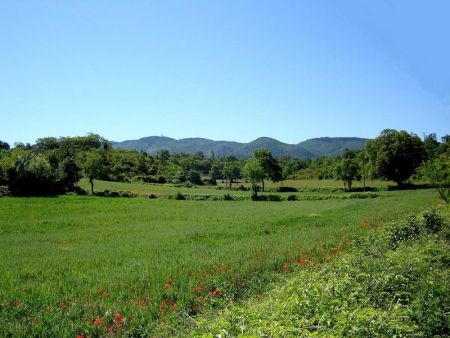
point(70, 264)
point(163, 190)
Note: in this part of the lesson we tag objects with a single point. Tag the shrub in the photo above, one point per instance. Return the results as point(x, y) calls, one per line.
point(127, 194)
point(404, 231)
point(179, 196)
point(270, 198)
point(292, 198)
point(432, 220)
point(4, 191)
point(107, 193)
point(227, 197)
point(152, 196)
point(287, 189)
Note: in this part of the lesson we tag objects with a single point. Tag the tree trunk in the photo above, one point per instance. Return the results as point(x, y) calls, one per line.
point(91, 181)
point(262, 181)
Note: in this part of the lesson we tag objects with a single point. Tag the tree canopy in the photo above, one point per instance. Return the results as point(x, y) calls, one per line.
point(395, 155)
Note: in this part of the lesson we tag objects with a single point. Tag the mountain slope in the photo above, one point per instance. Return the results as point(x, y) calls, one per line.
point(332, 146)
point(325, 146)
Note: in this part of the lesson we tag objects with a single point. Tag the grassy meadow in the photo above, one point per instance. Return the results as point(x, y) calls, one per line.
point(163, 190)
point(87, 265)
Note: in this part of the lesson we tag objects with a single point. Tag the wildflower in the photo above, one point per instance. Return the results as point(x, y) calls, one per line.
point(119, 318)
point(200, 288)
point(168, 284)
point(286, 267)
point(302, 261)
point(97, 321)
point(63, 305)
point(109, 328)
point(214, 292)
point(167, 306)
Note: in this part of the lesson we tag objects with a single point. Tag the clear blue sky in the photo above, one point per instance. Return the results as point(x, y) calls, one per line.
point(230, 70)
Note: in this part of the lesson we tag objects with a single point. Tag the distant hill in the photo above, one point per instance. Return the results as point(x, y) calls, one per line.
point(324, 146)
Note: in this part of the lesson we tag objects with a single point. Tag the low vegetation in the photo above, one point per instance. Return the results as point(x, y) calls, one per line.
point(394, 283)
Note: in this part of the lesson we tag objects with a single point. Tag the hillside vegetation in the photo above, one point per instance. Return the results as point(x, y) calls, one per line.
point(326, 146)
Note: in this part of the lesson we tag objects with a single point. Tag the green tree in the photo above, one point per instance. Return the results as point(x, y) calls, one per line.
point(214, 174)
point(431, 146)
point(437, 172)
point(254, 172)
point(271, 167)
point(4, 145)
point(395, 155)
point(231, 171)
point(348, 168)
point(93, 167)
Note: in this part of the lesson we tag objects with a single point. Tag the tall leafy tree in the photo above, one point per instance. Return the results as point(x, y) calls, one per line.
point(93, 167)
point(395, 155)
point(272, 169)
point(348, 168)
point(231, 170)
point(4, 145)
point(437, 172)
point(255, 173)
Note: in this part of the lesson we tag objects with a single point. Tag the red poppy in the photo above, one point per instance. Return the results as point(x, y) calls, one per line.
point(168, 283)
point(302, 261)
point(200, 288)
point(97, 321)
point(110, 328)
point(119, 318)
point(214, 292)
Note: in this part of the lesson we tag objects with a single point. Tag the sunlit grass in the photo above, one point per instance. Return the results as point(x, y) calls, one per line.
point(67, 260)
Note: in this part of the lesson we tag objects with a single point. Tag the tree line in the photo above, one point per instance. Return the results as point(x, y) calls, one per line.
point(54, 166)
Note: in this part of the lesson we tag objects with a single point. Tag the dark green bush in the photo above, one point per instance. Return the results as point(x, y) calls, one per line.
point(432, 220)
point(179, 196)
point(292, 198)
point(227, 197)
point(107, 193)
point(404, 231)
point(287, 189)
point(270, 198)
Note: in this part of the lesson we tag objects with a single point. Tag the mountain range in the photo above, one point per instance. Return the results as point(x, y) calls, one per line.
point(316, 147)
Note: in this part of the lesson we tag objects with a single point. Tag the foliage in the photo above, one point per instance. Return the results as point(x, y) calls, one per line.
point(406, 230)
point(94, 167)
point(437, 172)
point(348, 168)
point(433, 221)
point(395, 155)
point(231, 170)
point(179, 196)
point(272, 169)
point(371, 291)
point(254, 172)
point(4, 145)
